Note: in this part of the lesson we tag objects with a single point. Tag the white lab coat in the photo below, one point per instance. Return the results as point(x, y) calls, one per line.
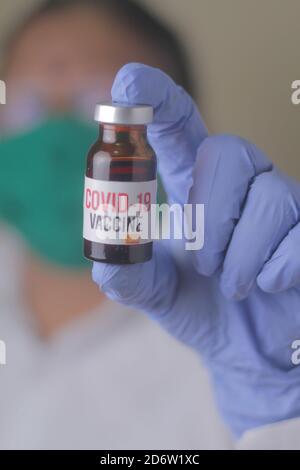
point(112, 380)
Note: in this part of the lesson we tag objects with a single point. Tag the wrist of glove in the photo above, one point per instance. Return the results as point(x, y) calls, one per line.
point(252, 398)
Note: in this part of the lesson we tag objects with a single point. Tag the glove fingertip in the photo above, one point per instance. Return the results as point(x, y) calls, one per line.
point(98, 273)
point(269, 283)
point(137, 83)
point(120, 84)
point(207, 264)
point(106, 275)
point(231, 292)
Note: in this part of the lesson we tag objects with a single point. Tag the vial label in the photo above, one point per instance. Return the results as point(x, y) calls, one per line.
point(117, 212)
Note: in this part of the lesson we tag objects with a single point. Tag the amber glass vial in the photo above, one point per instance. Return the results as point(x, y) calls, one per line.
point(121, 166)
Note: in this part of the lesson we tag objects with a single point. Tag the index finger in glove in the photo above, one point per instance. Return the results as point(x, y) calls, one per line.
point(177, 129)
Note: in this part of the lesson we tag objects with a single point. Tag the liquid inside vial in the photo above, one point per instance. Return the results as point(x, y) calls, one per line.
point(121, 166)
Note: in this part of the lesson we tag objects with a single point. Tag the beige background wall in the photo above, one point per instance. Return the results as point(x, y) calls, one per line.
point(246, 54)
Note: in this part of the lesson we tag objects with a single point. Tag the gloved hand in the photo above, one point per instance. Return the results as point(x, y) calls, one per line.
point(250, 254)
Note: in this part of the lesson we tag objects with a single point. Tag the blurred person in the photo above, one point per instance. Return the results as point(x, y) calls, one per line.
point(81, 371)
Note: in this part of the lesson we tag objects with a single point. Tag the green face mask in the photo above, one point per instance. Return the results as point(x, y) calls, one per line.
point(41, 187)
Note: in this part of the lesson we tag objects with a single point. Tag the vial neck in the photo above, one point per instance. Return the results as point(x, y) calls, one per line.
point(111, 133)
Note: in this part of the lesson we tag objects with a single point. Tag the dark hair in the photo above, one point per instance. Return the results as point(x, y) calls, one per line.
point(137, 18)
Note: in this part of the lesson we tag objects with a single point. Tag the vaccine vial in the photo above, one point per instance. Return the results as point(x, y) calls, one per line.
point(120, 186)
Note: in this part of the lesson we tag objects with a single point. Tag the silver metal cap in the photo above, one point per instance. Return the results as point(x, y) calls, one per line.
point(118, 113)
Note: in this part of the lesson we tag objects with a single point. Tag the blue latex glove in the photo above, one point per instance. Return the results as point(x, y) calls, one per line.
point(250, 254)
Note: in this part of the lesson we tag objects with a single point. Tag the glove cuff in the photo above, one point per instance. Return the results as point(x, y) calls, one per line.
point(249, 400)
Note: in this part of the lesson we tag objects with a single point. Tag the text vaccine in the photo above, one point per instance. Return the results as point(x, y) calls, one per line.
point(120, 186)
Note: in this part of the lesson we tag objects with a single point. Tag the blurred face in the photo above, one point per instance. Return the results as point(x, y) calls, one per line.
point(57, 69)
point(68, 60)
